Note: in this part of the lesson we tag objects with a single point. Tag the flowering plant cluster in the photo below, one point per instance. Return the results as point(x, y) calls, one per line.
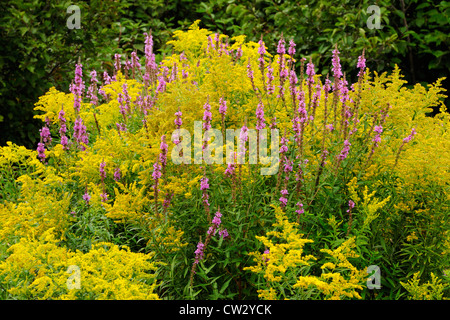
point(362, 179)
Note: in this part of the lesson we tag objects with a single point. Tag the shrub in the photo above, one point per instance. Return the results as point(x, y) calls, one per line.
point(127, 161)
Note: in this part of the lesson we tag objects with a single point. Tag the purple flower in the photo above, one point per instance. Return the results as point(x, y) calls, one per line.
point(261, 122)
point(270, 78)
point(199, 252)
point(300, 210)
point(117, 174)
point(222, 107)
point(284, 141)
point(204, 183)
point(409, 138)
point(117, 62)
point(310, 72)
point(62, 122)
point(215, 223)
point(164, 150)
point(223, 233)
point(104, 197)
point(266, 252)
point(45, 134)
point(106, 78)
point(41, 151)
point(79, 133)
point(161, 84)
point(207, 116)
point(351, 205)
point(87, 198)
point(345, 150)
point(178, 121)
point(135, 60)
point(378, 129)
point(92, 90)
point(239, 52)
point(77, 87)
point(337, 71)
point(281, 50)
point(293, 78)
point(156, 172)
point(361, 65)
point(261, 51)
point(64, 141)
point(102, 170)
point(291, 49)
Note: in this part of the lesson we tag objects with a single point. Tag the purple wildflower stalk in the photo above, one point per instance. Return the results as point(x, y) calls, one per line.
point(77, 87)
point(262, 51)
point(270, 78)
point(230, 171)
point(80, 134)
point(156, 176)
point(405, 141)
point(337, 74)
point(343, 155)
point(117, 174)
point(204, 186)
point(299, 211)
point(215, 225)
point(223, 113)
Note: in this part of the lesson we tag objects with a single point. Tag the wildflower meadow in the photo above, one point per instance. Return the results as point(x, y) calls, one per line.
point(226, 172)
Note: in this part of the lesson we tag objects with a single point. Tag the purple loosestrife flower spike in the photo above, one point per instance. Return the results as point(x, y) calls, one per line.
point(207, 116)
point(45, 135)
point(270, 78)
point(224, 233)
point(41, 151)
point(80, 134)
point(77, 87)
point(102, 170)
point(261, 51)
point(164, 150)
point(199, 252)
point(409, 138)
point(104, 197)
point(92, 90)
point(222, 107)
point(337, 71)
point(283, 198)
point(86, 197)
point(281, 50)
point(351, 205)
point(345, 150)
point(300, 209)
point(261, 122)
point(62, 122)
point(291, 49)
point(310, 72)
point(117, 174)
point(156, 172)
point(361, 65)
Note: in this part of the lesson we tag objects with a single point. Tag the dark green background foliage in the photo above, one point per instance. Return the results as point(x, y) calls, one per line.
point(39, 51)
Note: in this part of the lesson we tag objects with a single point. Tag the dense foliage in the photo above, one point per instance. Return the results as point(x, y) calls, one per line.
point(38, 50)
point(115, 189)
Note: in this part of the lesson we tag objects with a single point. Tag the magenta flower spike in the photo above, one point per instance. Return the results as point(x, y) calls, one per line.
point(336, 61)
point(260, 121)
